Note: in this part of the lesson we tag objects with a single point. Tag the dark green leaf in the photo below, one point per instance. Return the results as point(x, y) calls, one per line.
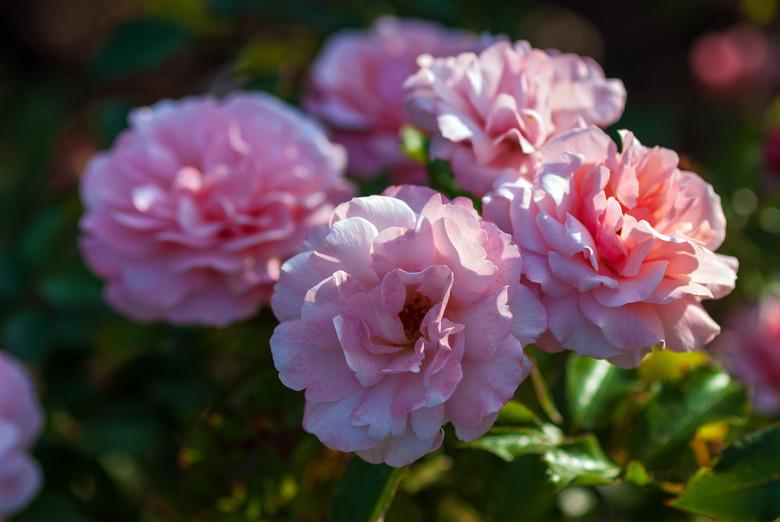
point(510, 443)
point(744, 485)
point(593, 387)
point(516, 413)
point(139, 46)
point(580, 462)
point(364, 492)
point(671, 417)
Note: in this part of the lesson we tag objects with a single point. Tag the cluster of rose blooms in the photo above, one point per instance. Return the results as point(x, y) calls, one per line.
point(405, 311)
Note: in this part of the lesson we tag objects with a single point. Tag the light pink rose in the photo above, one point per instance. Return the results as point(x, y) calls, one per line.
point(489, 113)
point(406, 315)
point(621, 245)
point(20, 425)
point(356, 87)
point(191, 213)
point(733, 59)
point(750, 348)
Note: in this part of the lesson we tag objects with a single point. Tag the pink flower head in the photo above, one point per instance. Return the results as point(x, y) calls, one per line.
point(750, 349)
point(406, 315)
point(489, 113)
point(20, 425)
point(771, 151)
point(621, 245)
point(191, 213)
point(356, 87)
point(731, 59)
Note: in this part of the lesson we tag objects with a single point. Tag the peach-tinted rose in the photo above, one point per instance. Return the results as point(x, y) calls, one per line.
point(20, 425)
point(191, 213)
point(356, 88)
point(750, 348)
point(621, 244)
point(406, 315)
point(488, 113)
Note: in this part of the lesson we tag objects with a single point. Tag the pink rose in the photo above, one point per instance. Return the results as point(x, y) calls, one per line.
point(489, 113)
point(406, 315)
point(771, 152)
point(750, 349)
point(356, 87)
point(621, 245)
point(191, 213)
point(732, 59)
point(20, 425)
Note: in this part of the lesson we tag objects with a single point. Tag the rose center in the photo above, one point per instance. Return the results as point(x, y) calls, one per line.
point(415, 308)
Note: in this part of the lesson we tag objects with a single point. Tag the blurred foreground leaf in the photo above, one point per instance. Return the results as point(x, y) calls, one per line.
point(364, 492)
point(744, 485)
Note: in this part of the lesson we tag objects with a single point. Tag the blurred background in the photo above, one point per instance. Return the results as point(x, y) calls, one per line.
point(156, 423)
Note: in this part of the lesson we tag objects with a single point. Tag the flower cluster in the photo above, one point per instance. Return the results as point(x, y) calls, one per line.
point(404, 312)
point(20, 424)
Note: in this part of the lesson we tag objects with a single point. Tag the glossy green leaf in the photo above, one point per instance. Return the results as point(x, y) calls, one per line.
point(510, 443)
point(139, 46)
point(516, 413)
point(364, 492)
point(677, 409)
point(593, 387)
point(580, 462)
point(744, 484)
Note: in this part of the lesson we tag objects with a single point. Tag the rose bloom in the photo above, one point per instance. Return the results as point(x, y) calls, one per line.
point(406, 315)
point(771, 152)
point(621, 245)
point(356, 87)
point(750, 349)
point(731, 59)
point(489, 113)
point(191, 213)
point(20, 425)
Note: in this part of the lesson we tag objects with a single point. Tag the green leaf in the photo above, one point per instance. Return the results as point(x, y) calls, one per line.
point(580, 462)
point(671, 417)
point(593, 387)
point(516, 413)
point(139, 46)
point(364, 492)
point(510, 443)
point(744, 485)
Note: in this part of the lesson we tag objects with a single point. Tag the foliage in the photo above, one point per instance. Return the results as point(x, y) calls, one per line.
point(156, 423)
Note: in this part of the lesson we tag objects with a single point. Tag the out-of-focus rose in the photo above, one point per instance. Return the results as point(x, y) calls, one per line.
point(20, 425)
point(406, 315)
point(772, 152)
point(356, 87)
point(489, 113)
point(621, 245)
point(750, 348)
point(734, 58)
point(191, 213)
